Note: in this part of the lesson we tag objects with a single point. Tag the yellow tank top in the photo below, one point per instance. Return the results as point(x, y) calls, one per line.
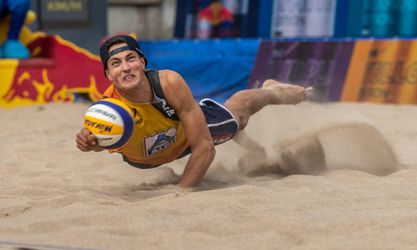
point(156, 138)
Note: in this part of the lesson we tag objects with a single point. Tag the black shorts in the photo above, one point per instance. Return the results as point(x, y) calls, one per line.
point(220, 121)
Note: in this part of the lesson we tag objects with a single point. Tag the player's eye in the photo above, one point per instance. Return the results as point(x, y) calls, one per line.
point(115, 63)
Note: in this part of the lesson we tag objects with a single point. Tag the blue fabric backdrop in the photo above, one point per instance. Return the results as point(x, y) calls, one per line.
point(212, 68)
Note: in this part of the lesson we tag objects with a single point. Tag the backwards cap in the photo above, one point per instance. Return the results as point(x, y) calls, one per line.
point(132, 44)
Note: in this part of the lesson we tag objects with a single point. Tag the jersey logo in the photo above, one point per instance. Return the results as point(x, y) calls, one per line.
point(159, 141)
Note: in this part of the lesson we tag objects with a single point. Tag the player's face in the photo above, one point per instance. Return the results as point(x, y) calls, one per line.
point(125, 69)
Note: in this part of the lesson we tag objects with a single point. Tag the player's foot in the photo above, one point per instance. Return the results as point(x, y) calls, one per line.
point(284, 93)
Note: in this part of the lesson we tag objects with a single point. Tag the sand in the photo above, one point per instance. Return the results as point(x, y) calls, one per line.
point(306, 184)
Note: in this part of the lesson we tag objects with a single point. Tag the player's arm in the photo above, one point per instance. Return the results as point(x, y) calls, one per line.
point(180, 98)
point(86, 141)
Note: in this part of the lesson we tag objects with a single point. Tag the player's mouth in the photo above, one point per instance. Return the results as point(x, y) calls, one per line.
point(128, 77)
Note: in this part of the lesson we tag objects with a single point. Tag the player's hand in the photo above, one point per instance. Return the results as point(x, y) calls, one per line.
point(87, 141)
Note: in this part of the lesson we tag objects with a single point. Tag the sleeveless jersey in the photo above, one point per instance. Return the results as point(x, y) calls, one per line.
point(159, 136)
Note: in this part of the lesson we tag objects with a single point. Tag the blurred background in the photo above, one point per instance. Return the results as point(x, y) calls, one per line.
point(349, 50)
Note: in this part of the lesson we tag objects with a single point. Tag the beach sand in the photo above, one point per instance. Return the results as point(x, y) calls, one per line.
point(320, 176)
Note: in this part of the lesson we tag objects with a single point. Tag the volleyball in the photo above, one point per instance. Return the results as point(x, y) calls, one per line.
point(111, 121)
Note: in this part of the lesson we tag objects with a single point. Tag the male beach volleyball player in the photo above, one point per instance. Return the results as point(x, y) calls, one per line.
point(169, 123)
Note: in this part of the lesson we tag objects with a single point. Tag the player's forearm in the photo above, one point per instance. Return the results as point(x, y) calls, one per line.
point(197, 165)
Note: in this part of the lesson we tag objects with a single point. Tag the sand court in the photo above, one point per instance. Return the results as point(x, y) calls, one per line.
point(316, 176)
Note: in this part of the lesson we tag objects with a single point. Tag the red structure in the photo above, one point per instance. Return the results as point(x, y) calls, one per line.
point(57, 72)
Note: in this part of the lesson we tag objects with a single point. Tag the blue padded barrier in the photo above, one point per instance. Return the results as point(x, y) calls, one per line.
point(212, 68)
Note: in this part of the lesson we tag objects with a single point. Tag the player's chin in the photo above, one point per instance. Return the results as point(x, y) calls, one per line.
point(129, 84)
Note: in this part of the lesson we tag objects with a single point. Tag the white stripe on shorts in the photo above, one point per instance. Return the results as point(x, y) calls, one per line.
point(220, 123)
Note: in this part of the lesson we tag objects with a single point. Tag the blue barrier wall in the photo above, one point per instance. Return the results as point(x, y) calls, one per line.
point(211, 68)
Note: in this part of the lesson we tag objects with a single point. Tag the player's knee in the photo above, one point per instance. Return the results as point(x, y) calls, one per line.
point(237, 99)
point(242, 120)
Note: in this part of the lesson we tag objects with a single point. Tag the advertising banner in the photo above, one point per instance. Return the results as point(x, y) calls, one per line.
point(303, 18)
point(383, 71)
point(321, 64)
point(367, 70)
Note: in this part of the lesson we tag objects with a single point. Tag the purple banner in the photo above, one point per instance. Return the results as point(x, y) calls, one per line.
point(322, 65)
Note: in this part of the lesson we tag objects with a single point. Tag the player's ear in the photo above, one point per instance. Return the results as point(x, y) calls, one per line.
point(142, 60)
point(107, 74)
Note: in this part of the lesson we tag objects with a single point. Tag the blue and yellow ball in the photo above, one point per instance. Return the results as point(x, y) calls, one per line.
point(111, 121)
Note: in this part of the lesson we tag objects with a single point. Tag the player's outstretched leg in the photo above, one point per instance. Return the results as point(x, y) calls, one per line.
point(245, 103)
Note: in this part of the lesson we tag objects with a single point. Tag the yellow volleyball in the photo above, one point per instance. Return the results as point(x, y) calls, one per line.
point(111, 121)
